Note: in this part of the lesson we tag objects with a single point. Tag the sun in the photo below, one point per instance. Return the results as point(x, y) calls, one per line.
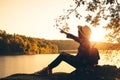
point(98, 34)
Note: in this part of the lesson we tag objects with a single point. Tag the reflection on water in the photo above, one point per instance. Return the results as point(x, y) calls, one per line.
point(110, 57)
point(32, 63)
point(29, 64)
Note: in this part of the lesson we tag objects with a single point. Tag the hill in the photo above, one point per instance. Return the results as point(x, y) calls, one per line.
point(15, 44)
point(72, 45)
point(19, 44)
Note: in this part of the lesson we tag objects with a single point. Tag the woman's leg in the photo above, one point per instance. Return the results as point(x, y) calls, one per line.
point(70, 59)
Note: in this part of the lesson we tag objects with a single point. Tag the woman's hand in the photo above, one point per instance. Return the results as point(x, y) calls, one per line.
point(62, 31)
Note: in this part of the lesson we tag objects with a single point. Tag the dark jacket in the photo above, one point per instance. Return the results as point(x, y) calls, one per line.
point(86, 52)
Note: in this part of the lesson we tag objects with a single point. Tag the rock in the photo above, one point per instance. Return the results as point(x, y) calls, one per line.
point(105, 72)
point(55, 76)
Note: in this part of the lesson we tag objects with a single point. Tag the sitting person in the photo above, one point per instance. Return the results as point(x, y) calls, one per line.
point(87, 55)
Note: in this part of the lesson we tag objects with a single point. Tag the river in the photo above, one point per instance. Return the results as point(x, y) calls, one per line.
point(31, 63)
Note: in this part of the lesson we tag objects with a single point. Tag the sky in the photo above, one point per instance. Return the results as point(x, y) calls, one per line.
point(36, 18)
point(33, 18)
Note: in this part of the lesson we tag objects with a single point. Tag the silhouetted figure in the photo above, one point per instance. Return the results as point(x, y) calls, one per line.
point(87, 55)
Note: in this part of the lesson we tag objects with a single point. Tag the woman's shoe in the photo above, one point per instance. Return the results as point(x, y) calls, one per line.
point(44, 71)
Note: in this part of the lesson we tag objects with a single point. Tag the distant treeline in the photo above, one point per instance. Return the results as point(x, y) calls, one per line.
point(19, 44)
point(72, 45)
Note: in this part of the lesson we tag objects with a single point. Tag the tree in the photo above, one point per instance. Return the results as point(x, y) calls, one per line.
point(93, 12)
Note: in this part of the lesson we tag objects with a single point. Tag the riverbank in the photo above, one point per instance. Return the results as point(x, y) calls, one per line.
point(105, 72)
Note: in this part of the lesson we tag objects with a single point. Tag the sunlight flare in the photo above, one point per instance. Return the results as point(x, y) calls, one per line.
point(98, 34)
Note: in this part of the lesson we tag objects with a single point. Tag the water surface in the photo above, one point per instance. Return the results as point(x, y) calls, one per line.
point(32, 63)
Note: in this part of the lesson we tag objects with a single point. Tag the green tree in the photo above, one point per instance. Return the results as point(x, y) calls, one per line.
point(92, 12)
point(54, 49)
point(19, 44)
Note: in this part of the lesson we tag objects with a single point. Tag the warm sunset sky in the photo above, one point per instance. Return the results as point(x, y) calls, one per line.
point(32, 17)
point(35, 18)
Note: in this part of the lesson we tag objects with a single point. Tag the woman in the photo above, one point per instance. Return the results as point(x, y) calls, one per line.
point(82, 59)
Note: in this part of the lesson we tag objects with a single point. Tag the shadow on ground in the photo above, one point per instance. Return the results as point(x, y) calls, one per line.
point(105, 72)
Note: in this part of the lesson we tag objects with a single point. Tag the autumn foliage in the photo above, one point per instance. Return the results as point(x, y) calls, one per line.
point(19, 44)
